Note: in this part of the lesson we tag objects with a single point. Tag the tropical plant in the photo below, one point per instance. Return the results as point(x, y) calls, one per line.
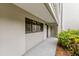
point(69, 40)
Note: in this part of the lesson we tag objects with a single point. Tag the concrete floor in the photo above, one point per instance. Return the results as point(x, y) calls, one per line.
point(46, 48)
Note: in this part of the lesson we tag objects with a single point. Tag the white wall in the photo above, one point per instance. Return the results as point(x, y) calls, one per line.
point(12, 31)
point(33, 39)
point(13, 40)
point(70, 16)
point(45, 32)
point(11, 37)
point(53, 31)
point(49, 31)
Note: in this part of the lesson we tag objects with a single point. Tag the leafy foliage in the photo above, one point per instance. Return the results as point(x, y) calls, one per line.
point(70, 40)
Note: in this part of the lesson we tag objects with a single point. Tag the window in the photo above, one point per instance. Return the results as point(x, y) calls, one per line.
point(28, 26)
point(41, 25)
point(32, 26)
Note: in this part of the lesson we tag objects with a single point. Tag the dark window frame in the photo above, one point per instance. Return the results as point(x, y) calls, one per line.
point(38, 26)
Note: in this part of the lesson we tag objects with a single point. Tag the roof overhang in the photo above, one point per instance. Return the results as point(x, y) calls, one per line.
point(40, 10)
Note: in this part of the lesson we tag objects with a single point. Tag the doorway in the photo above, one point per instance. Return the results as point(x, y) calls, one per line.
point(47, 31)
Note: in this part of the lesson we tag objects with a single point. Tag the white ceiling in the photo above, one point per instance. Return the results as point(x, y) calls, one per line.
point(37, 9)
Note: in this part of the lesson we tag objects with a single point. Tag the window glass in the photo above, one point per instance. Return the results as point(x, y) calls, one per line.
point(32, 26)
point(28, 26)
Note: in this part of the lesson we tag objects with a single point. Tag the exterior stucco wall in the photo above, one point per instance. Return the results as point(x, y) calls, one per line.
point(13, 40)
point(12, 31)
point(33, 39)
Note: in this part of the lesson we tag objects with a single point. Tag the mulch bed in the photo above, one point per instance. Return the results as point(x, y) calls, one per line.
point(61, 52)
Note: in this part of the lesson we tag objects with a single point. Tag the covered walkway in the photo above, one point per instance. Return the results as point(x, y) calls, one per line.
point(45, 48)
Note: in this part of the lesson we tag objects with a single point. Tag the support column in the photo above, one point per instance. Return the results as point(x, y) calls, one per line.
point(45, 32)
point(49, 31)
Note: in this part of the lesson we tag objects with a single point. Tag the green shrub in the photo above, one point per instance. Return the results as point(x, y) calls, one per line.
point(70, 40)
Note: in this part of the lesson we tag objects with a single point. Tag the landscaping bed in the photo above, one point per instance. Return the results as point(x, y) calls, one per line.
point(60, 51)
point(68, 43)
